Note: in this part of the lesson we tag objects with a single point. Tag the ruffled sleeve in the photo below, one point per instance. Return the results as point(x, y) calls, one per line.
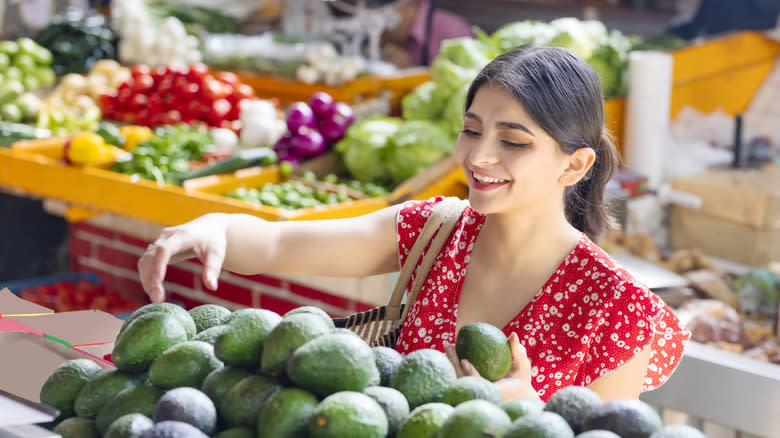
point(633, 320)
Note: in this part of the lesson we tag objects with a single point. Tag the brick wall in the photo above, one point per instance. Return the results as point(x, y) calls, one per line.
point(113, 255)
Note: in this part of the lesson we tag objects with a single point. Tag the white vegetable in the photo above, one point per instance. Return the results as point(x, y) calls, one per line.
point(224, 138)
point(307, 74)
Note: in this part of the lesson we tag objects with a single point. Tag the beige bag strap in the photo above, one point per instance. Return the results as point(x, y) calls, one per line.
point(444, 216)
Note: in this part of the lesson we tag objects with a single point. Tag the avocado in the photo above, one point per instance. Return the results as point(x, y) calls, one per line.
point(348, 414)
point(544, 425)
point(471, 388)
point(485, 347)
point(188, 405)
point(242, 344)
point(136, 399)
point(386, 360)
point(173, 429)
point(475, 418)
point(424, 421)
point(146, 338)
point(236, 432)
point(574, 403)
point(677, 431)
point(423, 376)
point(217, 384)
point(312, 310)
point(185, 364)
point(210, 335)
point(77, 427)
point(520, 407)
point(292, 332)
point(598, 434)
point(129, 426)
point(629, 418)
point(332, 363)
point(286, 413)
point(64, 384)
point(243, 402)
point(172, 309)
point(209, 315)
point(392, 402)
point(101, 388)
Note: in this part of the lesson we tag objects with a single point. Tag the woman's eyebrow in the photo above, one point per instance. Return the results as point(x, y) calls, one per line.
point(515, 125)
point(470, 115)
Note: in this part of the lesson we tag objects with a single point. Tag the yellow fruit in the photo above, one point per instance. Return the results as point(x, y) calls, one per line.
point(134, 135)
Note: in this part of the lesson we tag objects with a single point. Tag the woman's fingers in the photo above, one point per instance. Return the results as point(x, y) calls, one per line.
point(521, 366)
point(452, 355)
point(468, 368)
point(212, 257)
point(153, 264)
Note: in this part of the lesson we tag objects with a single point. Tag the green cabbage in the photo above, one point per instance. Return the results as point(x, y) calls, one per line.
point(422, 103)
point(452, 118)
point(465, 52)
point(416, 145)
point(365, 145)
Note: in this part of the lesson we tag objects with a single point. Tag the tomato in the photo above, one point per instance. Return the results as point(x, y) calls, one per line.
point(198, 72)
point(143, 83)
point(241, 92)
point(154, 103)
point(228, 78)
point(142, 116)
point(219, 111)
point(158, 74)
point(140, 70)
point(187, 90)
point(138, 101)
point(128, 117)
point(213, 89)
point(234, 112)
point(171, 117)
point(123, 97)
point(165, 86)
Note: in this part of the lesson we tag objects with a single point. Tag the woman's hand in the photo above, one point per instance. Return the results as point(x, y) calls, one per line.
point(516, 383)
point(203, 238)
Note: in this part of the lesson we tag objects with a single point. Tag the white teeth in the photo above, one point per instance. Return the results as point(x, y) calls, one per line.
point(488, 180)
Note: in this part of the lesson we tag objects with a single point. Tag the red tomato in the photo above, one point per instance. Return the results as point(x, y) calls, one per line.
point(171, 117)
point(165, 86)
point(143, 83)
point(142, 116)
point(213, 89)
point(241, 92)
point(128, 117)
point(227, 78)
point(188, 91)
point(138, 101)
point(123, 98)
point(219, 111)
point(235, 110)
point(198, 72)
point(140, 70)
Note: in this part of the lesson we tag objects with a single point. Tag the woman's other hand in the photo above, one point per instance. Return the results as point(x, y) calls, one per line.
point(516, 383)
point(203, 238)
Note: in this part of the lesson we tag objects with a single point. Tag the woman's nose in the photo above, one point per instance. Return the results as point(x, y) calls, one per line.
point(483, 152)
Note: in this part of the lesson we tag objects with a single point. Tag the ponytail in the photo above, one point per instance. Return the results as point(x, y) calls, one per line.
point(584, 201)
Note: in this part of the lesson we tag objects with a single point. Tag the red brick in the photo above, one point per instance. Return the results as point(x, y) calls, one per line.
point(118, 258)
point(278, 305)
point(230, 292)
point(79, 248)
point(133, 241)
point(316, 295)
point(92, 229)
point(187, 302)
point(362, 307)
point(262, 279)
point(180, 276)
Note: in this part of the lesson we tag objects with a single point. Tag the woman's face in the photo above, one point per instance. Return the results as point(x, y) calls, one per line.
point(510, 163)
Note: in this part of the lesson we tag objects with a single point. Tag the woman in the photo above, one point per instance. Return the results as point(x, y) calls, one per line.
point(536, 157)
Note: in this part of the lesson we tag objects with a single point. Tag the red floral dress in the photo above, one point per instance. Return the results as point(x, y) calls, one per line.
point(589, 318)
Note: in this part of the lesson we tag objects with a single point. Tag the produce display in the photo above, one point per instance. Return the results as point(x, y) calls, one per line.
point(10, 133)
point(308, 192)
point(89, 148)
point(312, 126)
point(196, 19)
point(167, 154)
point(253, 372)
point(77, 40)
point(169, 95)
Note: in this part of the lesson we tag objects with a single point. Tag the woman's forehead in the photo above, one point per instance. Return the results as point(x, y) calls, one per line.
point(494, 102)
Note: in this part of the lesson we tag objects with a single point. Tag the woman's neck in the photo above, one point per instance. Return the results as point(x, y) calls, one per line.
point(529, 239)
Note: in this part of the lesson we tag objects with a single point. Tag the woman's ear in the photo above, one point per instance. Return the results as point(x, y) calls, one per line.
point(579, 163)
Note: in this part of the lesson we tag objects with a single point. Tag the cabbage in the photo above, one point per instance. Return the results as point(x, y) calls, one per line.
point(465, 52)
point(452, 118)
point(416, 145)
point(365, 145)
point(571, 34)
point(422, 103)
point(523, 32)
point(610, 62)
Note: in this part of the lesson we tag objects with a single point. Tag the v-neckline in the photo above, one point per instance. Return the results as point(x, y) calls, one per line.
point(532, 301)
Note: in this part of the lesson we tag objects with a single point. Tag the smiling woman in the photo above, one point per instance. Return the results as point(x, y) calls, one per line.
point(537, 158)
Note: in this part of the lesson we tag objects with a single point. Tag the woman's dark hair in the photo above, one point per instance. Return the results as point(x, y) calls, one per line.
point(562, 94)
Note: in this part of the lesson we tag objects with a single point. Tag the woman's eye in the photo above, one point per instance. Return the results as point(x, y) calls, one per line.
point(512, 144)
point(470, 132)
